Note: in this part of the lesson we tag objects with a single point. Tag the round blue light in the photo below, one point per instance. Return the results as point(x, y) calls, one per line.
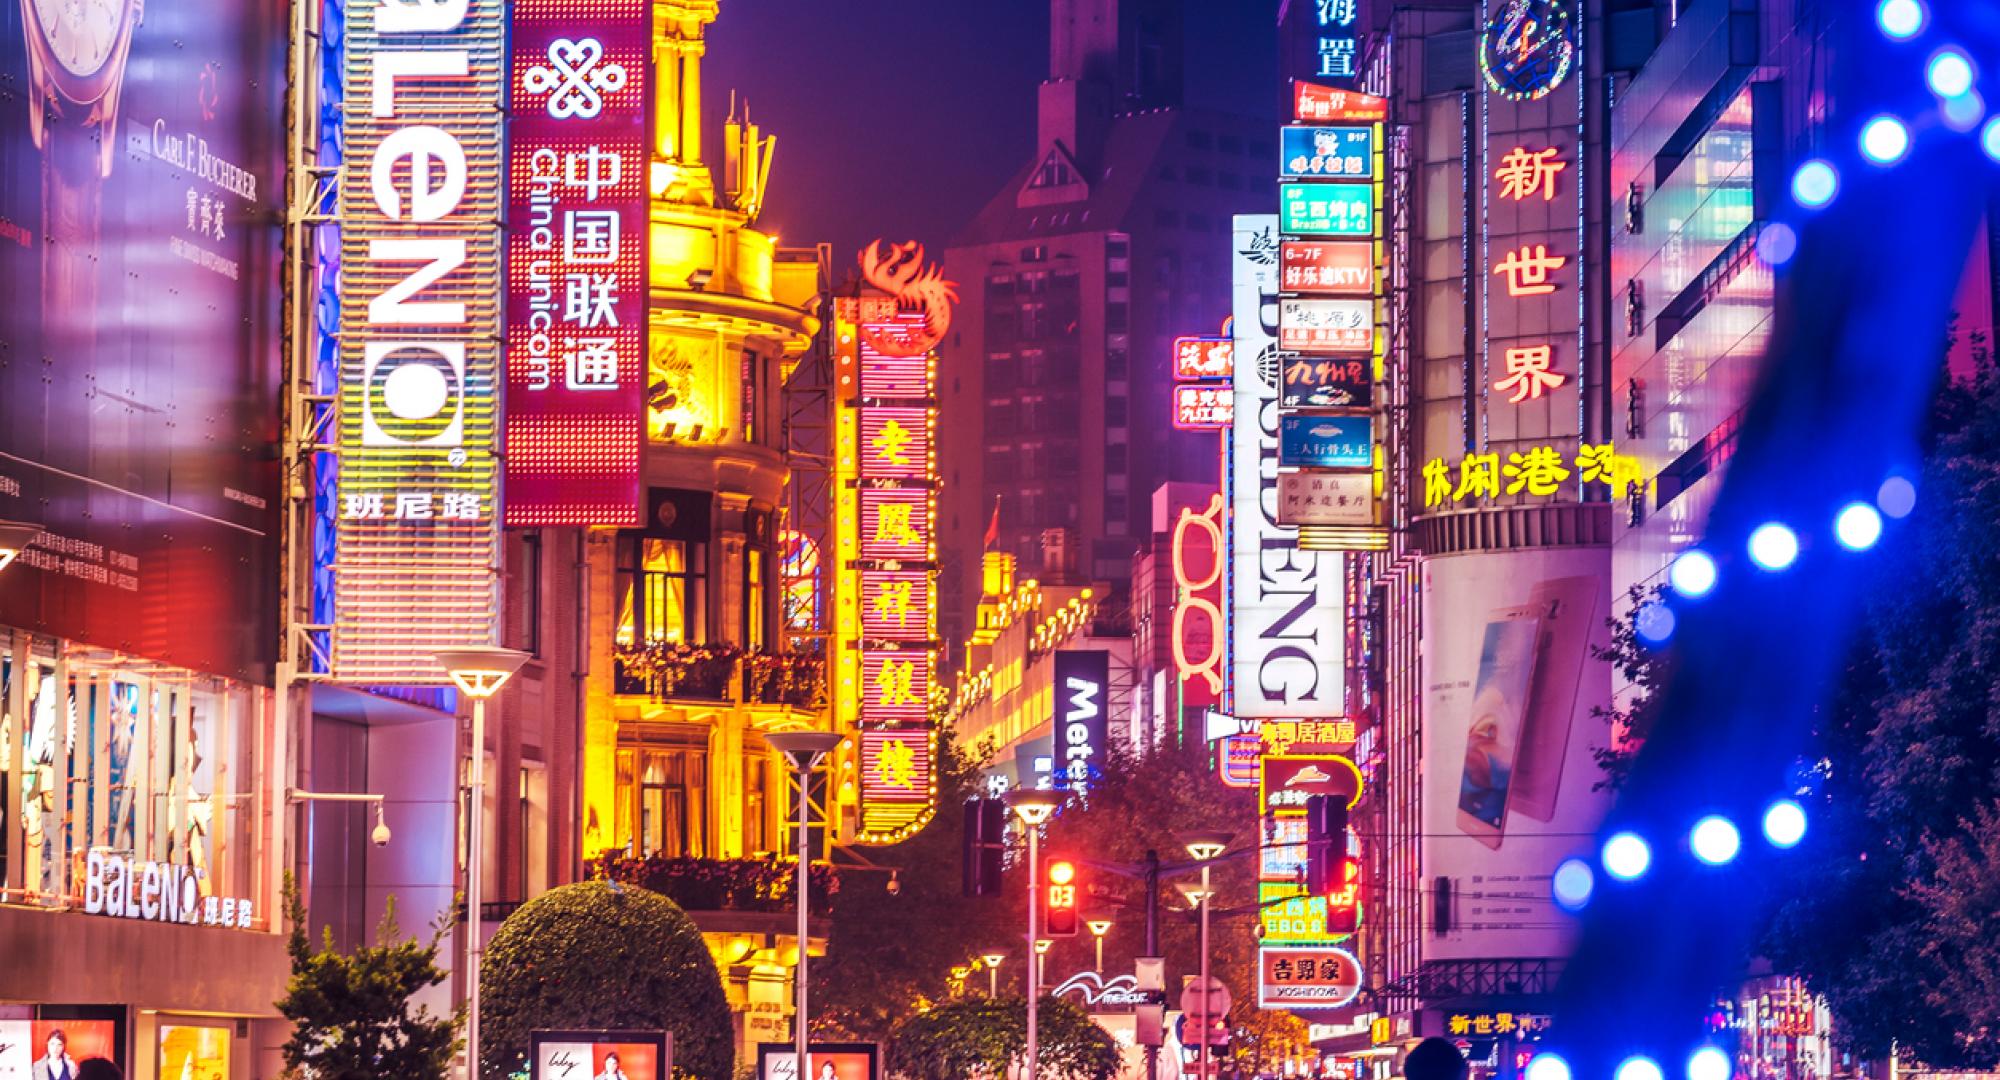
point(1654, 624)
point(1626, 856)
point(1963, 113)
point(1709, 1063)
point(1897, 496)
point(1546, 1066)
point(1815, 184)
point(1784, 823)
point(1692, 573)
point(1949, 73)
point(1884, 140)
point(1900, 19)
point(1638, 1067)
point(1777, 243)
point(1715, 840)
point(1858, 526)
point(1773, 546)
point(1573, 883)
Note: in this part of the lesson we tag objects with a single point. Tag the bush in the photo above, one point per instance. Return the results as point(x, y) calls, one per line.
point(979, 1036)
point(597, 955)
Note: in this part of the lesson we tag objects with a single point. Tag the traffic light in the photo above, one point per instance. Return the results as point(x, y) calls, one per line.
point(1326, 844)
point(1059, 899)
point(985, 843)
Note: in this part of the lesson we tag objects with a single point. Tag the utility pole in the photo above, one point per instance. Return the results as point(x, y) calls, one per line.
point(1152, 941)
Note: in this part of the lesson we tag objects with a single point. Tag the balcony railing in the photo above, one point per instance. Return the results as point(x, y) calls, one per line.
point(672, 671)
point(750, 885)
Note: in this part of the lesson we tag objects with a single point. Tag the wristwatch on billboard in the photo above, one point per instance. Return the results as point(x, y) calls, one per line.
point(77, 51)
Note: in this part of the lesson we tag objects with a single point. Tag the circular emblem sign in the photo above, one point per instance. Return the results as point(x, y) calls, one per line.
point(1526, 48)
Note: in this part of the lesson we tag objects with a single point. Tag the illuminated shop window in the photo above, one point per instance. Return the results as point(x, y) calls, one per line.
point(662, 591)
point(661, 795)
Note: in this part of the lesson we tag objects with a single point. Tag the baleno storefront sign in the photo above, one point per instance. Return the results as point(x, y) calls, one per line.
point(117, 885)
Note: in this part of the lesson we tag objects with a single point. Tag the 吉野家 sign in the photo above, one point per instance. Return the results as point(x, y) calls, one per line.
point(420, 202)
point(1327, 498)
point(1204, 406)
point(1327, 267)
point(579, 145)
point(1326, 326)
point(1326, 442)
point(1304, 977)
point(1346, 153)
point(1203, 357)
point(1322, 382)
point(1327, 209)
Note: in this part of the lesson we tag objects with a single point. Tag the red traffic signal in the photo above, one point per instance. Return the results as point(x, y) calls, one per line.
point(1059, 917)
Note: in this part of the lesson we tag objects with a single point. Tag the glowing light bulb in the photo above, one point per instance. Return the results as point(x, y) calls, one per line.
point(1626, 856)
point(1692, 574)
point(1884, 140)
point(1715, 840)
point(1773, 546)
point(1901, 19)
point(1815, 183)
point(1784, 823)
point(1858, 526)
point(1949, 73)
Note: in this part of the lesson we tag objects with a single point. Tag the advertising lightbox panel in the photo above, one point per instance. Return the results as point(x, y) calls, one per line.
point(589, 1055)
point(1509, 775)
point(142, 192)
point(1326, 442)
point(1287, 644)
point(1327, 209)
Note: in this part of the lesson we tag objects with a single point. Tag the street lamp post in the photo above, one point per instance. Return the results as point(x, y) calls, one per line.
point(804, 750)
point(480, 672)
point(1204, 846)
point(992, 973)
point(1098, 928)
point(1034, 807)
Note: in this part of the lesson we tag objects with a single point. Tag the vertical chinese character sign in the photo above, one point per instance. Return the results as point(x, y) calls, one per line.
point(417, 534)
point(885, 530)
point(576, 295)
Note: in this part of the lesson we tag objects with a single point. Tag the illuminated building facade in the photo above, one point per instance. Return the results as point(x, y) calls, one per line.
point(1075, 280)
point(1179, 633)
point(1039, 659)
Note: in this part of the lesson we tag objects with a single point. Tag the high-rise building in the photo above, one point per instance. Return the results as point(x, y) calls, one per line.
point(1108, 242)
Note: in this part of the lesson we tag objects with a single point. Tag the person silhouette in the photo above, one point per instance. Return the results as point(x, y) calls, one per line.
point(1434, 1059)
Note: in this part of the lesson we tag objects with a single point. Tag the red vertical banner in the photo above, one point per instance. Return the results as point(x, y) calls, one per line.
point(576, 252)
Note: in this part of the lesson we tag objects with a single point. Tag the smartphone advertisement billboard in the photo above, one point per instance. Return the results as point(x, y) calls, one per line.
point(1510, 681)
point(141, 196)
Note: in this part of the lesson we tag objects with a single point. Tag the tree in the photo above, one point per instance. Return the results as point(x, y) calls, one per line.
point(351, 1013)
point(1886, 908)
point(889, 953)
point(599, 955)
point(985, 1037)
point(1642, 670)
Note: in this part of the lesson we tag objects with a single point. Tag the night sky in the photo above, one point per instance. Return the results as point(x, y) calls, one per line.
point(900, 118)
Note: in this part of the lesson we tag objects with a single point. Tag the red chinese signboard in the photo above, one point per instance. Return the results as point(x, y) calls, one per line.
point(1323, 382)
point(579, 150)
point(896, 605)
point(895, 524)
point(896, 766)
point(1327, 267)
point(1312, 102)
point(1204, 358)
point(896, 442)
point(895, 686)
point(1307, 978)
point(1204, 406)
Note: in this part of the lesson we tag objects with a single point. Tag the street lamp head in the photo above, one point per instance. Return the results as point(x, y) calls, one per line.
point(1033, 805)
point(15, 536)
point(1098, 927)
point(993, 959)
point(1042, 945)
point(1193, 892)
point(1205, 843)
point(803, 749)
point(482, 670)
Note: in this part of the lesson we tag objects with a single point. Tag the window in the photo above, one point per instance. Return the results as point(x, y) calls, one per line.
point(1200, 140)
point(1230, 181)
point(756, 804)
point(1197, 175)
point(1229, 144)
point(1114, 458)
point(661, 795)
point(534, 826)
point(1114, 412)
point(662, 590)
point(754, 571)
point(1114, 363)
point(1166, 219)
point(531, 599)
point(751, 373)
point(1117, 317)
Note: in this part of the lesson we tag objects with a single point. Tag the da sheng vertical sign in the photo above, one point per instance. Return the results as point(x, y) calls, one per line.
point(1287, 644)
point(578, 148)
point(420, 202)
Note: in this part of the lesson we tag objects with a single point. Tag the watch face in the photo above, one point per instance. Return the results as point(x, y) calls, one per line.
point(1527, 48)
point(81, 33)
